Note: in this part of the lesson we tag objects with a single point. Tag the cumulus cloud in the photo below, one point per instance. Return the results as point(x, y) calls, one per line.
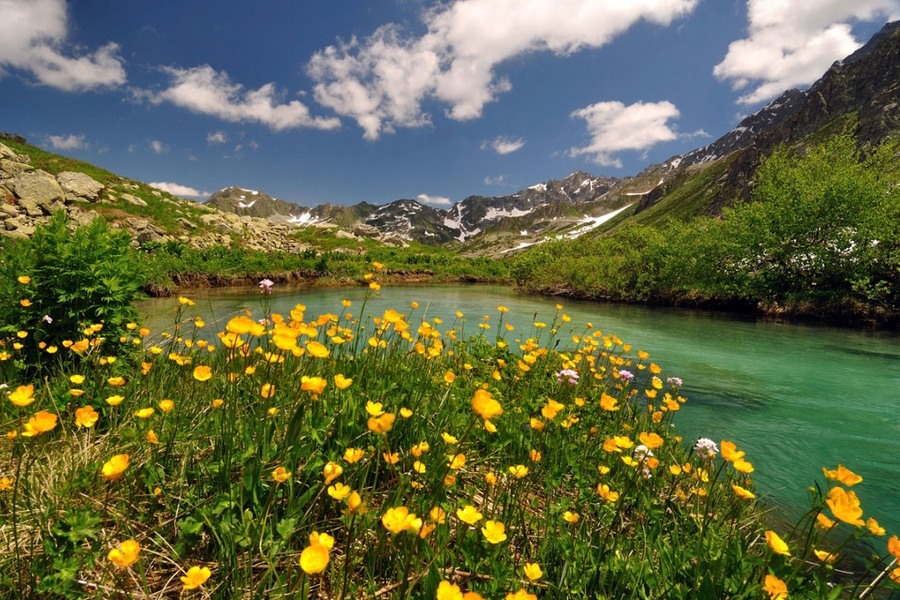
point(498, 180)
point(216, 137)
point(383, 80)
point(791, 43)
point(33, 39)
point(176, 189)
point(67, 142)
point(205, 91)
point(503, 145)
point(433, 200)
point(158, 147)
point(615, 127)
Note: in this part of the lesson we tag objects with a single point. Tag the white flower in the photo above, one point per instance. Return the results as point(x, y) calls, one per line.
point(706, 448)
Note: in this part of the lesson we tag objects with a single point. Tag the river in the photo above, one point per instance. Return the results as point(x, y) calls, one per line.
point(794, 397)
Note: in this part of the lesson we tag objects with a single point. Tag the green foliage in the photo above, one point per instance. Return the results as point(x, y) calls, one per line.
point(822, 229)
point(73, 280)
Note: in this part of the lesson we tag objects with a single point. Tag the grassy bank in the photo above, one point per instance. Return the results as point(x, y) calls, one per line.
point(337, 456)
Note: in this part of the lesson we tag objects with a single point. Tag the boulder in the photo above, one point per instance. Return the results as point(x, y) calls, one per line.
point(132, 200)
point(79, 186)
point(38, 191)
point(13, 168)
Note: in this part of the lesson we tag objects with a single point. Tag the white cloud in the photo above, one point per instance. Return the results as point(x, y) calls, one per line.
point(503, 145)
point(32, 39)
point(158, 147)
point(216, 137)
point(382, 81)
point(695, 135)
point(434, 200)
point(615, 127)
point(176, 189)
point(498, 180)
point(792, 42)
point(205, 91)
point(67, 142)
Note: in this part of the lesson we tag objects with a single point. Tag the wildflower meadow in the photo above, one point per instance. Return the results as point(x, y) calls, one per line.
point(390, 455)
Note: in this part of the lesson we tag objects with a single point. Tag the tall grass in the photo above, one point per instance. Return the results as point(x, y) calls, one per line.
point(338, 456)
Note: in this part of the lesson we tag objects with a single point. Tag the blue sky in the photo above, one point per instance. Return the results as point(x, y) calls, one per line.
point(346, 101)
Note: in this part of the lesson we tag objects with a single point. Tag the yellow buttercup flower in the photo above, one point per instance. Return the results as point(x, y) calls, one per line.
point(166, 405)
point(115, 400)
point(606, 493)
point(126, 554)
point(145, 413)
point(202, 373)
point(845, 506)
point(331, 471)
point(352, 455)
point(195, 577)
point(41, 422)
point(651, 440)
point(381, 424)
point(571, 517)
point(778, 545)
point(317, 350)
point(448, 591)
point(485, 405)
point(152, 437)
point(518, 471)
point(776, 588)
point(494, 532)
point(533, 571)
point(339, 491)
point(22, 396)
point(280, 474)
point(314, 385)
point(341, 382)
point(469, 514)
point(115, 467)
point(609, 403)
point(825, 556)
point(842, 475)
point(457, 461)
point(874, 528)
point(116, 381)
point(399, 519)
point(23, 279)
point(86, 416)
point(449, 439)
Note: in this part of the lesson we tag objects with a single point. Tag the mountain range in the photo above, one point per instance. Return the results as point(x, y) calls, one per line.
point(861, 91)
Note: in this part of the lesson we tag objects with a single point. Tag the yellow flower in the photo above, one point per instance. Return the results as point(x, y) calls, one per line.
point(571, 517)
point(533, 571)
point(469, 514)
point(518, 471)
point(520, 595)
point(152, 437)
point(6, 483)
point(842, 475)
point(490, 478)
point(776, 588)
point(448, 591)
point(267, 390)
point(317, 350)
point(76, 392)
point(202, 373)
point(778, 545)
point(352, 455)
point(217, 403)
point(845, 506)
point(606, 493)
point(41, 422)
point(280, 474)
point(437, 515)
point(391, 458)
point(449, 439)
point(332, 471)
point(609, 403)
point(534, 455)
point(399, 519)
point(116, 381)
point(825, 556)
point(195, 577)
point(485, 405)
point(115, 400)
point(419, 467)
point(375, 409)
point(405, 412)
point(145, 413)
point(126, 554)
point(449, 377)
point(23, 279)
point(494, 532)
point(729, 451)
point(824, 522)
point(114, 467)
point(341, 382)
point(339, 491)
point(166, 405)
point(314, 385)
point(23, 395)
point(894, 546)
point(743, 493)
point(651, 440)
point(355, 504)
point(86, 416)
point(457, 461)
point(874, 528)
point(742, 466)
point(381, 424)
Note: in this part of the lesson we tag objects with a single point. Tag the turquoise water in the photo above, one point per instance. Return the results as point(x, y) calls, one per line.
point(794, 397)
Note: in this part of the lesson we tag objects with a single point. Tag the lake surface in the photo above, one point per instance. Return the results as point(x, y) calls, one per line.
point(794, 397)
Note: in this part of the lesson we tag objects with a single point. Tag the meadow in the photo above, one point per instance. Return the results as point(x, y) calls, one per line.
point(349, 455)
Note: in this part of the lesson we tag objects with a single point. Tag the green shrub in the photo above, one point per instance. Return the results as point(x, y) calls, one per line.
point(58, 284)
